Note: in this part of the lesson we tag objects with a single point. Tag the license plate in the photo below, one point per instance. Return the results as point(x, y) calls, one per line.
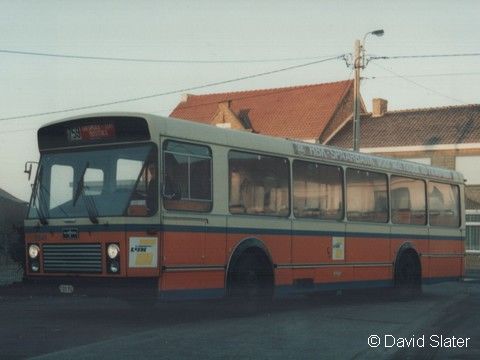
point(66, 289)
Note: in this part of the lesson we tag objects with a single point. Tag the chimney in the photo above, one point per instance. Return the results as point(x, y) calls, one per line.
point(379, 107)
point(184, 98)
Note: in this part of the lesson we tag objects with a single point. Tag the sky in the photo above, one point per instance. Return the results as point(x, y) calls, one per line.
point(241, 38)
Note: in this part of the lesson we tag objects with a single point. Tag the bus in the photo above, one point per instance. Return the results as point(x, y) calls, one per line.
point(185, 210)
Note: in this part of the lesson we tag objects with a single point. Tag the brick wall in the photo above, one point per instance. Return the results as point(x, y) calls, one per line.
point(343, 112)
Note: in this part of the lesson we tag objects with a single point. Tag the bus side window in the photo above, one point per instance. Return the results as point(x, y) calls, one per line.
point(258, 184)
point(408, 201)
point(367, 196)
point(187, 177)
point(443, 204)
point(317, 191)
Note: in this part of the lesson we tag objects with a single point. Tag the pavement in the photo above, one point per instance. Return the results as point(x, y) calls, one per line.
point(321, 326)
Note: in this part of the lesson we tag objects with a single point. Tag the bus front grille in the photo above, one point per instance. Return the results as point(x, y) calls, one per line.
point(78, 258)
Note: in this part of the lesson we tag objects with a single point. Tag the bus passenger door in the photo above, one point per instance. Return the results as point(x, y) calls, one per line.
point(193, 250)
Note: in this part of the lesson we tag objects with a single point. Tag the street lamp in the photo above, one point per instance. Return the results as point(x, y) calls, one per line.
point(358, 64)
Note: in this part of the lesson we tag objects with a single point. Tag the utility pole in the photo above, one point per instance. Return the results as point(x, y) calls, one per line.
point(358, 64)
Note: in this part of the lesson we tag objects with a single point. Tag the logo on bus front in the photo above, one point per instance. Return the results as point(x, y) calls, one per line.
point(70, 233)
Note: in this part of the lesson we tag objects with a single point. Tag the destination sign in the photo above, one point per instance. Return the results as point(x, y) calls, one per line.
point(95, 130)
point(91, 132)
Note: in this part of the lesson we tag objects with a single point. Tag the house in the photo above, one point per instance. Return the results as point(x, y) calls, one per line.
point(12, 213)
point(310, 113)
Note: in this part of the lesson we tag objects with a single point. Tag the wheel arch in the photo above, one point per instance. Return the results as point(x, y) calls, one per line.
point(241, 248)
point(407, 248)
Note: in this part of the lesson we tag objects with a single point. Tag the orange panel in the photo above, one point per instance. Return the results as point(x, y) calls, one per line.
point(373, 273)
point(215, 249)
point(367, 250)
point(446, 246)
point(334, 274)
point(183, 248)
point(311, 249)
point(279, 247)
point(193, 280)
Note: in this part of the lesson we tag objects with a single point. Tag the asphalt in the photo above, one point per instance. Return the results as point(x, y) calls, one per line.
point(320, 326)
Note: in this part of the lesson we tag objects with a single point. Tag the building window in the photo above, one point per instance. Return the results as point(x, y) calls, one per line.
point(408, 201)
point(472, 243)
point(187, 177)
point(468, 166)
point(258, 184)
point(367, 196)
point(317, 191)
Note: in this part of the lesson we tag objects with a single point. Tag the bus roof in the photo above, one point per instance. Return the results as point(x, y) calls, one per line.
point(178, 128)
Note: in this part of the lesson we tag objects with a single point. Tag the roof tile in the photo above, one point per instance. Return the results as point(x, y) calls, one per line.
point(429, 126)
point(299, 112)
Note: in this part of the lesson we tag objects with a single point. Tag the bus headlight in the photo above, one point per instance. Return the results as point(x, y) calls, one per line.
point(33, 251)
point(113, 250)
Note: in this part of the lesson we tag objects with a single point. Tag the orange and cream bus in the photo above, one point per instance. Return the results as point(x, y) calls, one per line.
point(186, 210)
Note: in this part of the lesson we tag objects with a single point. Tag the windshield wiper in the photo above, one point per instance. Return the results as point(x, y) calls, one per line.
point(89, 202)
point(80, 185)
point(91, 208)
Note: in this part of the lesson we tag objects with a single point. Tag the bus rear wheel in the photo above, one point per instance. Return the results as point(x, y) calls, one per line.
point(250, 280)
point(408, 274)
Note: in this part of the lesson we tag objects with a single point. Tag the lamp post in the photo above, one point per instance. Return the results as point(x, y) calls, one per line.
point(358, 64)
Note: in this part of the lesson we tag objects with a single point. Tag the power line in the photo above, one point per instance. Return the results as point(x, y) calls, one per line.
point(173, 61)
point(174, 91)
point(420, 85)
point(421, 76)
point(370, 57)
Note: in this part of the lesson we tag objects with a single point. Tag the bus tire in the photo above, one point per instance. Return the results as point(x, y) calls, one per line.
point(408, 274)
point(250, 278)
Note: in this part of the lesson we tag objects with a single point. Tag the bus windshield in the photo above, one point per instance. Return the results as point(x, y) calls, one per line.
point(92, 182)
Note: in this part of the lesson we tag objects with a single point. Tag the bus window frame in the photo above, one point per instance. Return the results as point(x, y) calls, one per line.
point(459, 205)
point(162, 157)
point(341, 218)
point(387, 176)
point(143, 170)
point(289, 214)
point(425, 186)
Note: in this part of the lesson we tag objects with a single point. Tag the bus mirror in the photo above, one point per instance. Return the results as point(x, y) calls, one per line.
point(28, 168)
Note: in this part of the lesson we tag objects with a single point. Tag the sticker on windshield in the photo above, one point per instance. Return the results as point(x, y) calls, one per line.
point(143, 252)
